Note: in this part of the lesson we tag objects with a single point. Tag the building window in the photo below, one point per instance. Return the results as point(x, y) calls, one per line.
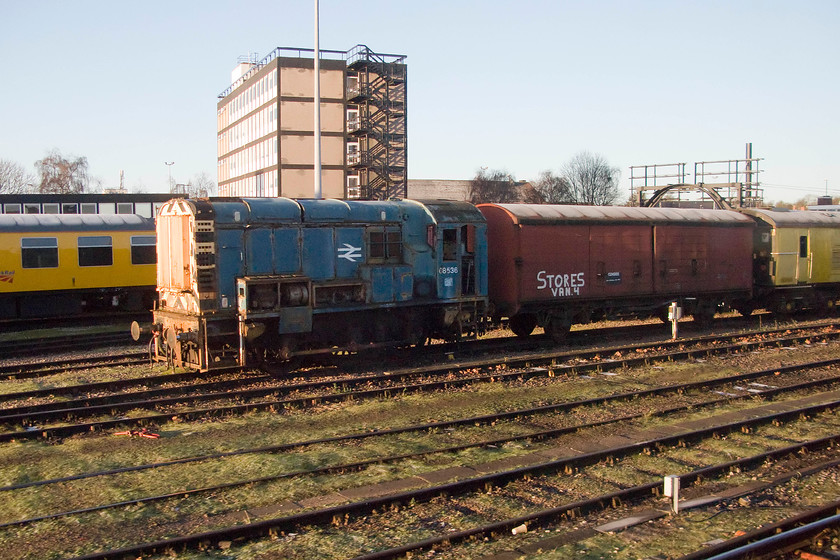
point(143, 209)
point(31, 208)
point(50, 208)
point(39, 252)
point(12, 209)
point(95, 250)
point(88, 208)
point(384, 245)
point(125, 208)
point(143, 249)
point(69, 208)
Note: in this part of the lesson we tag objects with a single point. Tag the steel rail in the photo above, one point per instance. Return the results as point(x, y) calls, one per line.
point(313, 400)
point(173, 377)
point(535, 436)
point(106, 405)
point(774, 539)
point(479, 483)
point(41, 369)
point(57, 344)
point(635, 494)
point(115, 384)
point(484, 419)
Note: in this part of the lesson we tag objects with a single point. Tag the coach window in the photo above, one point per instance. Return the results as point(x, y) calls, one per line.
point(95, 250)
point(39, 252)
point(803, 246)
point(143, 249)
point(384, 245)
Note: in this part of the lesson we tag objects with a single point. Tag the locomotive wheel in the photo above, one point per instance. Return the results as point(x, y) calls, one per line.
point(558, 329)
point(455, 332)
point(415, 335)
point(704, 316)
point(745, 309)
point(523, 325)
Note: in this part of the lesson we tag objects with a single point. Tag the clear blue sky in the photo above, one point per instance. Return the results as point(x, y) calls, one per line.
point(520, 86)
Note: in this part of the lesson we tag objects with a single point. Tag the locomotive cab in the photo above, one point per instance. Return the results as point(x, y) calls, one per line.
point(458, 236)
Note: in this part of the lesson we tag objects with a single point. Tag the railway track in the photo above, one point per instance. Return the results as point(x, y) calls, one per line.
point(796, 533)
point(45, 369)
point(261, 393)
point(15, 349)
point(538, 431)
point(663, 393)
point(387, 508)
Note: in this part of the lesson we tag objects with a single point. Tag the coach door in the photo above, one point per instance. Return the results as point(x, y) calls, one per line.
point(457, 270)
point(803, 269)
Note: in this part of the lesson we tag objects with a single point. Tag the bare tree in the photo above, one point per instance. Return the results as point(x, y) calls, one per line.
point(202, 186)
point(530, 194)
point(553, 189)
point(592, 179)
point(14, 179)
point(493, 186)
point(60, 175)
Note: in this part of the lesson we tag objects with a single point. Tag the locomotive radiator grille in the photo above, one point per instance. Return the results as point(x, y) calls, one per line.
point(205, 257)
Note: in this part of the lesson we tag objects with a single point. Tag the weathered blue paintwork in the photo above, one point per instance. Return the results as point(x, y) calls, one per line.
point(328, 242)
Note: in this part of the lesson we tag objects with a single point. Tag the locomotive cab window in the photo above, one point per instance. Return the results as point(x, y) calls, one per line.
point(143, 249)
point(384, 245)
point(468, 238)
point(95, 250)
point(450, 244)
point(39, 252)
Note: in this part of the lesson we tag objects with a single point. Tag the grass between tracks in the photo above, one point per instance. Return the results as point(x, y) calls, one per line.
point(21, 462)
point(79, 377)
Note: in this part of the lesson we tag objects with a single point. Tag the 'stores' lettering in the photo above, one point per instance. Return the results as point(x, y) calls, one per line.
point(560, 284)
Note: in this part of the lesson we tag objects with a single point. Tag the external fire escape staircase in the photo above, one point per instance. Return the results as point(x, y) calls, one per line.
point(379, 93)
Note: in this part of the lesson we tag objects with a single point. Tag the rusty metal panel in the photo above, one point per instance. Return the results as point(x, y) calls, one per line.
point(702, 259)
point(556, 214)
point(174, 225)
point(502, 253)
point(621, 261)
point(544, 256)
point(555, 263)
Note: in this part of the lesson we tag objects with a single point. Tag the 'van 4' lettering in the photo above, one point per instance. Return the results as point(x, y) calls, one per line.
point(560, 284)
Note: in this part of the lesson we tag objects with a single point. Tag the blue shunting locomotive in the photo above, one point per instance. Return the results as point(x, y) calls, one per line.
point(242, 280)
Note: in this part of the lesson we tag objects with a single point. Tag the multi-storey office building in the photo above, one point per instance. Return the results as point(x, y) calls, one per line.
point(266, 126)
